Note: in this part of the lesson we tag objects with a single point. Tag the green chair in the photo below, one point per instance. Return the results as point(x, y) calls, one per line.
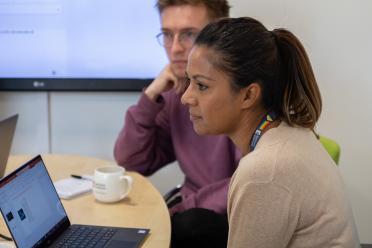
point(332, 147)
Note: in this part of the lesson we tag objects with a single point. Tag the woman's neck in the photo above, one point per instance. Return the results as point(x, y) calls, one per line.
point(247, 127)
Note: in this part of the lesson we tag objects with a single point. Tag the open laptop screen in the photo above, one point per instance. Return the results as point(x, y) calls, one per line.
point(30, 204)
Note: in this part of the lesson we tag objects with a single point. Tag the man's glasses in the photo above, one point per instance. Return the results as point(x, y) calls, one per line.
point(185, 38)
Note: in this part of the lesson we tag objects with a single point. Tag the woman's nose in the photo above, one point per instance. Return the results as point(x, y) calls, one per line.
point(187, 98)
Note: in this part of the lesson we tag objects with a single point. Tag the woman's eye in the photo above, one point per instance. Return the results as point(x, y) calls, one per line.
point(202, 87)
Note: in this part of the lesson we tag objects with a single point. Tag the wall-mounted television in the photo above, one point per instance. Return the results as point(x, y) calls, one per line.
point(79, 45)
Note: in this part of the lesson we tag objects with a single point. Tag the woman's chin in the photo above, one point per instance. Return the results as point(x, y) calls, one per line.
point(203, 131)
point(199, 130)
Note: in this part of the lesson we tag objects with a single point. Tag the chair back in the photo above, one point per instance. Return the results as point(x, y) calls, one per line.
point(332, 147)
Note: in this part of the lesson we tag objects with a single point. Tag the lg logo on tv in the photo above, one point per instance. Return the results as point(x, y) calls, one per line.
point(38, 84)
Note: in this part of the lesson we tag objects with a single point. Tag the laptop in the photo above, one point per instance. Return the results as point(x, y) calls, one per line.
point(7, 128)
point(36, 217)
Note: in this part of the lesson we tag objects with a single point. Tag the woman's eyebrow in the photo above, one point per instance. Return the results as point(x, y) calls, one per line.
point(200, 76)
point(197, 76)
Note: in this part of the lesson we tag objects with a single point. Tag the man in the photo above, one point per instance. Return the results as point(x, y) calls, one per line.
point(158, 131)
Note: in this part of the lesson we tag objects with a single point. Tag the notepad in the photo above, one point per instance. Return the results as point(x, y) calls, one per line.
point(71, 187)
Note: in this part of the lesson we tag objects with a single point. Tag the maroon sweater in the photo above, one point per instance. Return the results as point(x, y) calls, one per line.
point(156, 134)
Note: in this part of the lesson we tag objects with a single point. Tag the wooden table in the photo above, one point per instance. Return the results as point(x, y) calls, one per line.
point(144, 207)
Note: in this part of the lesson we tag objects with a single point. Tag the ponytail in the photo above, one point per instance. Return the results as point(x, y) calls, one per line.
point(301, 103)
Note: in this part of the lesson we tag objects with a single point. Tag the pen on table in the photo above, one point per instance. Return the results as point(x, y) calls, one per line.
point(82, 177)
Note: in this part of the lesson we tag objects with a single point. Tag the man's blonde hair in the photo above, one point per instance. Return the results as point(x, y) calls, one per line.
point(215, 8)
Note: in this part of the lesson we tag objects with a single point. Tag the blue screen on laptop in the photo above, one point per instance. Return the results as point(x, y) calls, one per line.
point(30, 204)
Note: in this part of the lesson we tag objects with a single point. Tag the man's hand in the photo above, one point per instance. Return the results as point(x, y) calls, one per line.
point(165, 81)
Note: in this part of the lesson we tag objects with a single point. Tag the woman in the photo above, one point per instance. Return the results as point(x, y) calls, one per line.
point(258, 87)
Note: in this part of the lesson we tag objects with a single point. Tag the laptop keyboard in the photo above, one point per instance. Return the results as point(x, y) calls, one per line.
point(86, 236)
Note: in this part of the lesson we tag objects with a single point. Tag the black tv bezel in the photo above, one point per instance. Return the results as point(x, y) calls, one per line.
point(73, 84)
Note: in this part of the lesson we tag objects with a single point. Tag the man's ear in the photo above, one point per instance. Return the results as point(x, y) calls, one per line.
point(251, 95)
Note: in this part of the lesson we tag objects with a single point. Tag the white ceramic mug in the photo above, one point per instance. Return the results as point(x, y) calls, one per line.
point(110, 184)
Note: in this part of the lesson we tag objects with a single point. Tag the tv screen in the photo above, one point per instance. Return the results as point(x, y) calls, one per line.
point(79, 45)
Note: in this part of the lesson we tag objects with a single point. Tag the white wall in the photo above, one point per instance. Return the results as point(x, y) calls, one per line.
point(31, 135)
point(338, 37)
point(85, 122)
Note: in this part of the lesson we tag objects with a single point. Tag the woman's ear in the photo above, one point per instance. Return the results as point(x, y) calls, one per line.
point(251, 95)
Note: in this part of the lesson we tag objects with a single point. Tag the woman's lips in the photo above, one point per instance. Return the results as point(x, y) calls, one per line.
point(194, 117)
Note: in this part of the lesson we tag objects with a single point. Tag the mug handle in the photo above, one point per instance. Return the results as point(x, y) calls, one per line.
point(129, 181)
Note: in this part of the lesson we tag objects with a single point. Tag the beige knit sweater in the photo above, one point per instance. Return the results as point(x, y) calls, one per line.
point(289, 193)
